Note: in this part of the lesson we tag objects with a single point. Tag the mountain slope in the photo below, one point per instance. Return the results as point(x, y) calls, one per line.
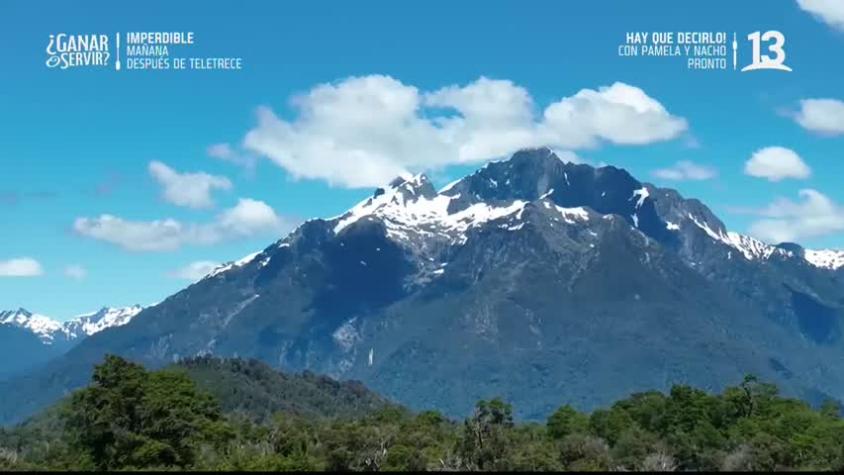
point(21, 350)
point(254, 389)
point(533, 279)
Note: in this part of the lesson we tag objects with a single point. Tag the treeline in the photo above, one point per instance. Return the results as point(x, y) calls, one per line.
point(130, 418)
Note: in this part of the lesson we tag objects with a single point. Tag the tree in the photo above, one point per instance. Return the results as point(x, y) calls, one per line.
point(566, 420)
point(659, 462)
point(580, 452)
point(129, 418)
point(610, 424)
point(484, 444)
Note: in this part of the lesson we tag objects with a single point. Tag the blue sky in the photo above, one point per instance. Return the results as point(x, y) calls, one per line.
point(77, 144)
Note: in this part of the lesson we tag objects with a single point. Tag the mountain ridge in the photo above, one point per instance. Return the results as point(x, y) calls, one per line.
point(28, 339)
point(47, 328)
point(527, 279)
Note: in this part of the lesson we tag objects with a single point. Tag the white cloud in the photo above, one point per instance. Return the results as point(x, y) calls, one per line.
point(686, 170)
point(364, 131)
point(776, 164)
point(195, 270)
point(226, 153)
point(20, 267)
point(247, 218)
point(830, 12)
point(621, 114)
point(361, 132)
point(493, 118)
point(75, 272)
point(822, 116)
point(785, 220)
point(222, 151)
point(158, 235)
point(192, 190)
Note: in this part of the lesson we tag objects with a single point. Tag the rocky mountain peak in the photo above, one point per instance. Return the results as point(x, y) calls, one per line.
point(409, 187)
point(9, 314)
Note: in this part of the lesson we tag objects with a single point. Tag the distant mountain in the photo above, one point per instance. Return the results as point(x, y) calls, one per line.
point(28, 340)
point(536, 280)
point(95, 322)
point(44, 328)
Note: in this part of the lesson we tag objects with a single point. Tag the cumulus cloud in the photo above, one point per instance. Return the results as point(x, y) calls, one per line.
point(194, 271)
point(830, 12)
point(686, 170)
point(822, 116)
point(364, 131)
point(490, 118)
point(621, 114)
point(247, 218)
point(776, 164)
point(75, 272)
point(192, 190)
point(813, 215)
point(20, 267)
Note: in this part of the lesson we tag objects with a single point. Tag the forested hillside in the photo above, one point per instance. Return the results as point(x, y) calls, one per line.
point(254, 390)
point(210, 414)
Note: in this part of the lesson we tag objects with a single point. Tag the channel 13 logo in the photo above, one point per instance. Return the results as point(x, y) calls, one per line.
point(774, 56)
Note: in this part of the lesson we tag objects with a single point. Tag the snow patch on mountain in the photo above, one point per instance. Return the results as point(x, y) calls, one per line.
point(640, 195)
point(753, 249)
point(346, 335)
point(404, 210)
point(825, 258)
point(571, 215)
point(232, 265)
point(750, 247)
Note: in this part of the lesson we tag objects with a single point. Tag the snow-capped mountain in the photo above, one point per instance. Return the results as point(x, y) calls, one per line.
point(49, 330)
point(415, 214)
point(28, 340)
point(45, 328)
point(532, 279)
point(95, 322)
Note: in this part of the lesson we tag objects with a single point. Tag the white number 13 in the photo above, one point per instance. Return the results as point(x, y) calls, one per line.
point(763, 61)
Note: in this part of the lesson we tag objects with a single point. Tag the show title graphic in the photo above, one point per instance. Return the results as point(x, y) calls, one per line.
point(147, 51)
point(71, 51)
point(704, 50)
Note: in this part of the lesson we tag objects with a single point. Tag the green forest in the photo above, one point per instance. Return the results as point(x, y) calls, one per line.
point(213, 414)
